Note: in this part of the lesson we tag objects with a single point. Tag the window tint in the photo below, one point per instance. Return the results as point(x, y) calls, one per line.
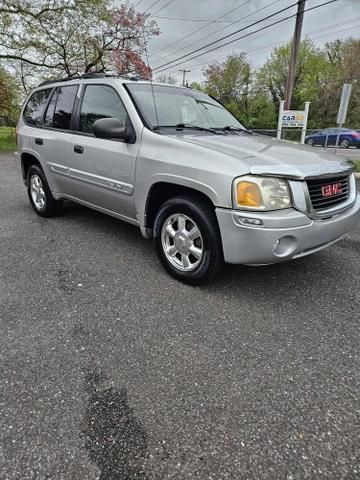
point(100, 101)
point(60, 108)
point(35, 107)
point(50, 110)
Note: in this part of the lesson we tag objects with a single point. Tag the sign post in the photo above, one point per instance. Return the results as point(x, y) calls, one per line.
point(344, 103)
point(281, 111)
point(303, 131)
point(293, 119)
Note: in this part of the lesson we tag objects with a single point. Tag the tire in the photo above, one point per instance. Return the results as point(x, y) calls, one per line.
point(344, 143)
point(40, 195)
point(311, 142)
point(180, 216)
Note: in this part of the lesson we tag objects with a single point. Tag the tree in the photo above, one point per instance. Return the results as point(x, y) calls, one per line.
point(71, 37)
point(163, 78)
point(344, 62)
point(229, 82)
point(312, 68)
point(196, 86)
point(9, 100)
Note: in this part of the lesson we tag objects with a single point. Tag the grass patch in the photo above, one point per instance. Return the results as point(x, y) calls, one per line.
point(7, 138)
point(357, 165)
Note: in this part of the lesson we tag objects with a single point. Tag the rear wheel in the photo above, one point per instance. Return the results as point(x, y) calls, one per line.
point(187, 239)
point(40, 195)
point(344, 143)
point(311, 142)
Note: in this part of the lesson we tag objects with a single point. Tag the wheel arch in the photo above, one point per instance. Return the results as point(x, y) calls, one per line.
point(27, 160)
point(160, 192)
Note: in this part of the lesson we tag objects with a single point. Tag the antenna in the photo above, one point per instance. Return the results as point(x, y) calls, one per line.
point(151, 81)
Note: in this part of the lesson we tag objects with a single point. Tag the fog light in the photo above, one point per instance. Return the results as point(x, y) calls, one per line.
point(285, 246)
point(251, 221)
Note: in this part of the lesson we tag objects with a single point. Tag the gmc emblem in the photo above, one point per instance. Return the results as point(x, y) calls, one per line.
point(331, 190)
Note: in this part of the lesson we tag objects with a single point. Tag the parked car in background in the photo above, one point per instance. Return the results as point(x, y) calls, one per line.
point(348, 138)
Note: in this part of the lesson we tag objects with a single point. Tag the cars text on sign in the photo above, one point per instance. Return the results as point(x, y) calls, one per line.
point(293, 118)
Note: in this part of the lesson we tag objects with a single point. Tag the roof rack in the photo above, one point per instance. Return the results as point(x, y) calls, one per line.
point(90, 75)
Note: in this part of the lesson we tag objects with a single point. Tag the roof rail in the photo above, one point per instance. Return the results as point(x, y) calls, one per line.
point(90, 75)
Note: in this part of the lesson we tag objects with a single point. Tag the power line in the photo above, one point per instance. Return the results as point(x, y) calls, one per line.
point(239, 38)
point(152, 5)
point(197, 30)
point(269, 47)
point(162, 8)
point(227, 26)
point(194, 19)
point(280, 41)
point(216, 58)
point(229, 35)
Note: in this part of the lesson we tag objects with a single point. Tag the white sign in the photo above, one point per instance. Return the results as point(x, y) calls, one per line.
point(344, 103)
point(293, 118)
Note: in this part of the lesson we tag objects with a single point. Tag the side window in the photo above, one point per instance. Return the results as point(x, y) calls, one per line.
point(48, 122)
point(58, 114)
point(35, 107)
point(100, 101)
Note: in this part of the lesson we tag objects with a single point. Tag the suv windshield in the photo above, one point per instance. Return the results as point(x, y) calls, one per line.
point(180, 107)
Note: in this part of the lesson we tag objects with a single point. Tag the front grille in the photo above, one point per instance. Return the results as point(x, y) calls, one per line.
point(328, 192)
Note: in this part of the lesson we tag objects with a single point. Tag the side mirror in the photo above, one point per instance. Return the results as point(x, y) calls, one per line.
point(110, 128)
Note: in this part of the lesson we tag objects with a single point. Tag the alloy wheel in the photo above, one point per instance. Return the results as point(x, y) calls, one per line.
point(182, 242)
point(37, 192)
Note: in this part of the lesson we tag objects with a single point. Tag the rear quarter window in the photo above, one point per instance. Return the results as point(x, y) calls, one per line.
point(34, 109)
point(60, 109)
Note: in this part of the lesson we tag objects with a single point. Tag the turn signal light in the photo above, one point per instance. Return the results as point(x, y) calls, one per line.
point(248, 195)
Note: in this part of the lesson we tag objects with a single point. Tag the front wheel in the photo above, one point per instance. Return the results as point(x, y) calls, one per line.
point(187, 239)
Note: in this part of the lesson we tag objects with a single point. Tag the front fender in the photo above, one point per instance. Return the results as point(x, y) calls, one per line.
point(143, 191)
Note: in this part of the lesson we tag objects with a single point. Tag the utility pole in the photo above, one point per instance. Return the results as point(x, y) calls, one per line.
point(294, 54)
point(184, 72)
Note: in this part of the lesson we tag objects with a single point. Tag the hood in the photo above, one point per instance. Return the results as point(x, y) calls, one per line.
point(267, 156)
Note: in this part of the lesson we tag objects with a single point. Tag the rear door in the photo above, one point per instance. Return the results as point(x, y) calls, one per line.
point(30, 131)
point(56, 137)
point(103, 170)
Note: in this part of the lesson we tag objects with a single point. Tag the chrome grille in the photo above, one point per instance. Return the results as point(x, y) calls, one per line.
point(328, 192)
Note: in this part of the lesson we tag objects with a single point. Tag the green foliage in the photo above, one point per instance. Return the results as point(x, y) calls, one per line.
point(9, 99)
point(7, 138)
point(253, 96)
point(229, 82)
point(197, 86)
point(356, 164)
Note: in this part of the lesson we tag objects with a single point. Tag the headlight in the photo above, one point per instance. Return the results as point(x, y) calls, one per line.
point(261, 193)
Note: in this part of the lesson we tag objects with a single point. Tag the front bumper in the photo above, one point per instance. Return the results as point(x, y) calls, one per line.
point(284, 235)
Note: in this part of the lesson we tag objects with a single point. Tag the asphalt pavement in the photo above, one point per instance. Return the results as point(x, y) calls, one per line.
point(111, 370)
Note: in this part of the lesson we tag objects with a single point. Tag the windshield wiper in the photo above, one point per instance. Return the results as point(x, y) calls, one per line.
point(182, 126)
point(230, 128)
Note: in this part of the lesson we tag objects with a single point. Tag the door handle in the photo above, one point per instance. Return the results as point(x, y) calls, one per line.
point(78, 149)
point(39, 141)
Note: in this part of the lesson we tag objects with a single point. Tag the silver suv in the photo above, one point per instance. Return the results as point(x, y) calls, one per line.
point(177, 164)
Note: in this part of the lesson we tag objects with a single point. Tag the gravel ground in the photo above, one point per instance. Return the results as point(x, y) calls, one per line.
point(112, 370)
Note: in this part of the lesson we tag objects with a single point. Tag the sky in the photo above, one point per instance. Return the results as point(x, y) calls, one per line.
point(188, 25)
